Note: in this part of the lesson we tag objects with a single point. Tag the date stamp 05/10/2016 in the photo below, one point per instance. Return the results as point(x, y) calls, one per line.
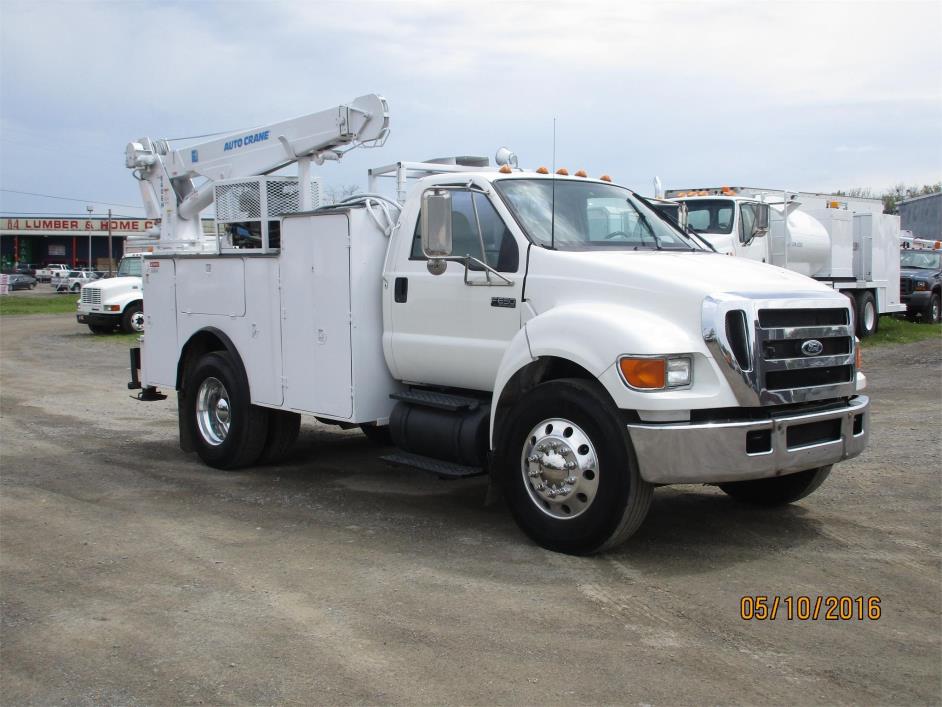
point(802, 607)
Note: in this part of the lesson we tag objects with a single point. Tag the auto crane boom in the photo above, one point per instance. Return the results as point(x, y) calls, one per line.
point(166, 176)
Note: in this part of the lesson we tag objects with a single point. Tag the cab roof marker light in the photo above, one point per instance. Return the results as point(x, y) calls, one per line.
point(563, 172)
point(605, 178)
point(581, 173)
point(542, 170)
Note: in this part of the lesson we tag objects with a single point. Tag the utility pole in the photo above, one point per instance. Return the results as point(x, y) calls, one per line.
point(89, 209)
point(110, 252)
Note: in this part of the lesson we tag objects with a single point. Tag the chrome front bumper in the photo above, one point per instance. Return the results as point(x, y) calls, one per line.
point(717, 452)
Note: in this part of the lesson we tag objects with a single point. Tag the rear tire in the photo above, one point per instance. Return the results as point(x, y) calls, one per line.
point(569, 470)
point(283, 429)
point(868, 318)
point(132, 320)
point(378, 434)
point(228, 431)
point(779, 490)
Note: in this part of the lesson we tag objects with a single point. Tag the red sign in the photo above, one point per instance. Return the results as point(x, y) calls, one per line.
point(73, 226)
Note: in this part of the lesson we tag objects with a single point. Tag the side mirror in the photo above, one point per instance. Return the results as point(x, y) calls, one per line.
point(436, 224)
point(762, 221)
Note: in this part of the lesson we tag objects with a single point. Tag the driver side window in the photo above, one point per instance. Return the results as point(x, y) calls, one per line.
point(500, 247)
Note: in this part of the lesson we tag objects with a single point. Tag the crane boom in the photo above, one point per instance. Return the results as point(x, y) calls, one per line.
point(166, 175)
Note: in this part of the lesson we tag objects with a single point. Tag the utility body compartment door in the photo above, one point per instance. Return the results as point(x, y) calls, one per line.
point(160, 352)
point(316, 318)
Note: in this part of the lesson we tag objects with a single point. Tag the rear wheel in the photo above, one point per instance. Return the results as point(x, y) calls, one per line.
point(868, 319)
point(569, 470)
point(378, 434)
point(132, 321)
point(228, 431)
point(779, 490)
point(283, 429)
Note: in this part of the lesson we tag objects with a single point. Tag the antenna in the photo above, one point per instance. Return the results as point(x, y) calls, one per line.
point(553, 205)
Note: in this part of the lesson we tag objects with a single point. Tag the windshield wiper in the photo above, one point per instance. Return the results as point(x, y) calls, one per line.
point(644, 220)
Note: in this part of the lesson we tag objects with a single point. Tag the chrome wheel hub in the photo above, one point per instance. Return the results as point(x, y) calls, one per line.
point(212, 411)
point(870, 315)
point(560, 468)
point(137, 321)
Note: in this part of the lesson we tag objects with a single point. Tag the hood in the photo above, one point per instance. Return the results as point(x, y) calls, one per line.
point(926, 273)
point(672, 273)
point(116, 284)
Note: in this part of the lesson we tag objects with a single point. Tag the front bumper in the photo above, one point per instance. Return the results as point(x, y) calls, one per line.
point(97, 319)
point(916, 301)
point(719, 452)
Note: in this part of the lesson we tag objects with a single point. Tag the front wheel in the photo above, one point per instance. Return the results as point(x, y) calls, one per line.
point(228, 432)
point(934, 310)
point(569, 470)
point(132, 321)
point(779, 490)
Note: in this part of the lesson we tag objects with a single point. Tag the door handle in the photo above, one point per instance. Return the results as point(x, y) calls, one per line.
point(401, 289)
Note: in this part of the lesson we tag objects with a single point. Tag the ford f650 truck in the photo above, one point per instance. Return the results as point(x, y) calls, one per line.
point(552, 331)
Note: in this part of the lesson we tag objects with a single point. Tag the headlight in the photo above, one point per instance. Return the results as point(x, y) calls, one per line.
point(654, 372)
point(922, 285)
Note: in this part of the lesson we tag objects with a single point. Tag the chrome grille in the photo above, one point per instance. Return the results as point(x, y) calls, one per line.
point(91, 295)
point(785, 350)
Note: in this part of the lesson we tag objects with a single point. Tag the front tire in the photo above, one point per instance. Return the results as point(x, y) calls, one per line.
point(780, 490)
point(569, 470)
point(132, 320)
point(228, 432)
point(933, 311)
point(868, 318)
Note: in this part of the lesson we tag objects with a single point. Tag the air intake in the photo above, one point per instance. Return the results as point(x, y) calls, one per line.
point(737, 334)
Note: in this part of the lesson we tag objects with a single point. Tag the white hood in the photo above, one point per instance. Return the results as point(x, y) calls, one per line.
point(113, 285)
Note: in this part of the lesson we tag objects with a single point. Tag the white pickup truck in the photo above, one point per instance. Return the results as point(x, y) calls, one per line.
point(552, 331)
point(115, 302)
point(47, 273)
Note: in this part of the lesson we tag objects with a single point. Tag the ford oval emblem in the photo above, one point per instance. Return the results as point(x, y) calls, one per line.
point(812, 347)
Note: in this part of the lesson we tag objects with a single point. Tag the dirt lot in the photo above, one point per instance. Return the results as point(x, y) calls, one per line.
point(132, 574)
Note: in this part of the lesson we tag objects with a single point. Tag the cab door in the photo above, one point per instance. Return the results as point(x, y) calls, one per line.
point(754, 248)
point(447, 332)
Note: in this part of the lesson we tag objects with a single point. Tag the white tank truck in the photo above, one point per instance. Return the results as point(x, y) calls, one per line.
point(846, 243)
point(552, 331)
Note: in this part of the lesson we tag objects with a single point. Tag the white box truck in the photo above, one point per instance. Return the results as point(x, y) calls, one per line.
point(551, 331)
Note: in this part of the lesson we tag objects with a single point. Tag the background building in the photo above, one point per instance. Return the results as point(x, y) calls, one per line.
point(922, 215)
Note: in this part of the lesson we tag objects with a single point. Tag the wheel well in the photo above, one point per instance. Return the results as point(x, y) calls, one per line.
point(545, 368)
point(201, 343)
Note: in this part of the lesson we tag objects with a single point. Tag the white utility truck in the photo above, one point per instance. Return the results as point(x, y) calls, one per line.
point(115, 302)
point(552, 331)
point(847, 243)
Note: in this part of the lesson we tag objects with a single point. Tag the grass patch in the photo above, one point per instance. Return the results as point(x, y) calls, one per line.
point(38, 304)
point(894, 330)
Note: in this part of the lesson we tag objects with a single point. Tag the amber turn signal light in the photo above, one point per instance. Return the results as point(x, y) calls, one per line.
point(644, 373)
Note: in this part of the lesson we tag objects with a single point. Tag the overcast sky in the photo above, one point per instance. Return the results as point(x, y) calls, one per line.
point(813, 96)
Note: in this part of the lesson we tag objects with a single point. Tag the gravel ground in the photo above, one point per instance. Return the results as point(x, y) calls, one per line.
point(132, 574)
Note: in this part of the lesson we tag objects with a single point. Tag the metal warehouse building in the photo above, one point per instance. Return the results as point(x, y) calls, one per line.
point(922, 215)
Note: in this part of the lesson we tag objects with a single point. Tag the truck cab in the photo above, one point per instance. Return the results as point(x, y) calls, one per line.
point(116, 302)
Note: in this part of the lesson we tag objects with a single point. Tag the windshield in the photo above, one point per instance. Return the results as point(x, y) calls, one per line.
point(130, 267)
point(587, 215)
point(710, 215)
point(920, 259)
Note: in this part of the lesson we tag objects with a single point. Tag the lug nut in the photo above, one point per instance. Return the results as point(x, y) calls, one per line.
point(570, 465)
point(571, 480)
point(533, 474)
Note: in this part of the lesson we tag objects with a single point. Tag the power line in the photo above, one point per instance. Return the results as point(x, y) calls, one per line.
point(14, 214)
point(69, 198)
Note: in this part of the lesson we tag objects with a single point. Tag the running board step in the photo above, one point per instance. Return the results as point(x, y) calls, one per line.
point(440, 401)
point(444, 470)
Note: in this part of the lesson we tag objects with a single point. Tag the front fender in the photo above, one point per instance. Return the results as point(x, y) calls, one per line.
point(593, 336)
